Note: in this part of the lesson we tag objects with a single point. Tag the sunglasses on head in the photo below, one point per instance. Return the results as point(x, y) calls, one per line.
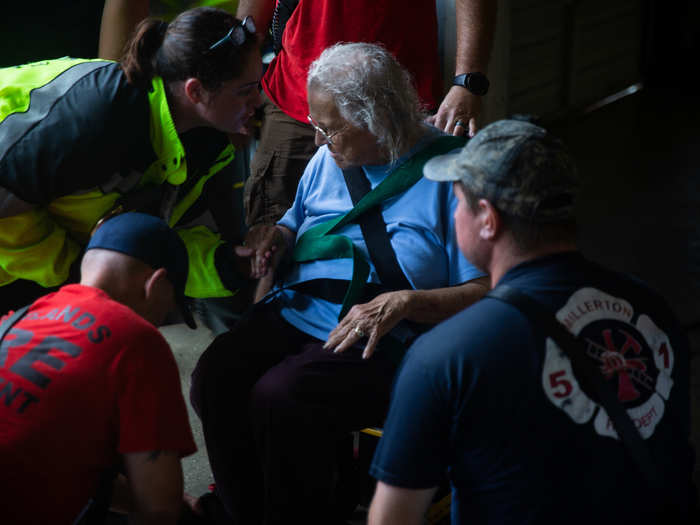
point(236, 34)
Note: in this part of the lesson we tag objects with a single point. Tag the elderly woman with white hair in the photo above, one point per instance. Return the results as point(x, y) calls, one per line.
point(365, 258)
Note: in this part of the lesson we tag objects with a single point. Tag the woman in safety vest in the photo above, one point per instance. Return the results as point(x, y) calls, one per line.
point(81, 140)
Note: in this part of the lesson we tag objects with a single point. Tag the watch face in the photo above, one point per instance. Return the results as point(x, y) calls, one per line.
point(477, 83)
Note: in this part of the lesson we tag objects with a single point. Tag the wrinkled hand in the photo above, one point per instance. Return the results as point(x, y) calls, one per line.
point(371, 320)
point(269, 245)
point(458, 105)
point(245, 262)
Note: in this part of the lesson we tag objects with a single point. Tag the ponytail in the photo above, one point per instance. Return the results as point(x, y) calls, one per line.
point(138, 61)
point(181, 49)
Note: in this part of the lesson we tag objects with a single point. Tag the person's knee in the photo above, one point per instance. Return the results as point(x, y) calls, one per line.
point(274, 390)
point(197, 384)
point(211, 374)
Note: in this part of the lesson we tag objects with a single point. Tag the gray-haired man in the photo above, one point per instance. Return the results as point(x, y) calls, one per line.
point(487, 397)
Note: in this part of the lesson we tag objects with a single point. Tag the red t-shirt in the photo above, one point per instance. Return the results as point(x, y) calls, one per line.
point(406, 28)
point(82, 379)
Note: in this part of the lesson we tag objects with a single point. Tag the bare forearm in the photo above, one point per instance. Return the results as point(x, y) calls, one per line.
point(156, 486)
point(265, 284)
point(119, 18)
point(398, 506)
point(289, 237)
point(284, 253)
point(273, 246)
point(433, 306)
point(476, 23)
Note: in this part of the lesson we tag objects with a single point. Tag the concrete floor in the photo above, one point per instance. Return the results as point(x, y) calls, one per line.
point(638, 213)
point(187, 346)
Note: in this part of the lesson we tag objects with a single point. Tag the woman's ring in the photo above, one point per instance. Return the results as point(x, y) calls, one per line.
point(359, 331)
point(459, 123)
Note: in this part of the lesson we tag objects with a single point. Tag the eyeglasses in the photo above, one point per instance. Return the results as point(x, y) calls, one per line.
point(237, 33)
point(328, 137)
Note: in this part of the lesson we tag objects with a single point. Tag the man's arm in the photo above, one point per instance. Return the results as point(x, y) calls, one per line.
point(119, 19)
point(399, 506)
point(476, 23)
point(156, 486)
point(260, 10)
point(377, 317)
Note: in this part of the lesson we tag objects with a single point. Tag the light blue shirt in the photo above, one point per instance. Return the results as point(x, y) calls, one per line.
point(420, 227)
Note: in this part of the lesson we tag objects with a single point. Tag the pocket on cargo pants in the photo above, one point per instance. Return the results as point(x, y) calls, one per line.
point(272, 185)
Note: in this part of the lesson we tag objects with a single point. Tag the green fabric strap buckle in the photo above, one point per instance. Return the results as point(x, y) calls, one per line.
point(319, 242)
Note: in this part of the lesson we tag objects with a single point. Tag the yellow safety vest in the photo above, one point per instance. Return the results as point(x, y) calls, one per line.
point(42, 243)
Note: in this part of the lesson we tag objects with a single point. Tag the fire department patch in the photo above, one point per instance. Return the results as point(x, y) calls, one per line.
point(634, 356)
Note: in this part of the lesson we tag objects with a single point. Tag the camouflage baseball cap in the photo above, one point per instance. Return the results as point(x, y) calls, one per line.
point(518, 166)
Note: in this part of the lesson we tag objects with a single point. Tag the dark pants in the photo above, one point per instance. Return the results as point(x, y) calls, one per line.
point(273, 404)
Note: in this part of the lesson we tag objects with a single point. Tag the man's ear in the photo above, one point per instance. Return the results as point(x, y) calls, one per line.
point(489, 220)
point(154, 282)
point(194, 90)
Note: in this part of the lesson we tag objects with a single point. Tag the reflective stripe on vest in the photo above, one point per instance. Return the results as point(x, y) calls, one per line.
point(36, 89)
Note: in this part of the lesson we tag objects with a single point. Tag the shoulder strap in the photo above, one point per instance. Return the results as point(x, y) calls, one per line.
point(12, 320)
point(281, 14)
point(587, 372)
point(373, 227)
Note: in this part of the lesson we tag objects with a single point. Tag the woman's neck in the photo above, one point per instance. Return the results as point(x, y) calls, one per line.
point(181, 110)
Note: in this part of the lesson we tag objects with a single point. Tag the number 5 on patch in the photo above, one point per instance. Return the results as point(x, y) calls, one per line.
point(557, 381)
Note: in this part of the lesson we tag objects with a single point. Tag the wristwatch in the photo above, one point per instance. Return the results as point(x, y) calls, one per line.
point(476, 83)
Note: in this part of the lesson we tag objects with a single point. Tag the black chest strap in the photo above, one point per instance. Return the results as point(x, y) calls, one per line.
point(374, 232)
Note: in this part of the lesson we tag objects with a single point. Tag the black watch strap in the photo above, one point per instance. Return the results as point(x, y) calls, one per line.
point(476, 82)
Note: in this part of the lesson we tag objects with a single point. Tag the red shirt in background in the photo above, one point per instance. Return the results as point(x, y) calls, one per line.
point(406, 28)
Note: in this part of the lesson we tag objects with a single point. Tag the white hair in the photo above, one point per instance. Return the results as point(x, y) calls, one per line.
point(371, 91)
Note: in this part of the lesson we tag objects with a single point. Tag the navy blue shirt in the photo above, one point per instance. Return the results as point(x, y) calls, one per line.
point(488, 400)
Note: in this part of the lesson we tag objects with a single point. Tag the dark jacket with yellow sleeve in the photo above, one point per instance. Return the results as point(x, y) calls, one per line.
point(78, 142)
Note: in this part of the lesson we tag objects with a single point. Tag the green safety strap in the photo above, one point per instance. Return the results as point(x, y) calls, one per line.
point(319, 242)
